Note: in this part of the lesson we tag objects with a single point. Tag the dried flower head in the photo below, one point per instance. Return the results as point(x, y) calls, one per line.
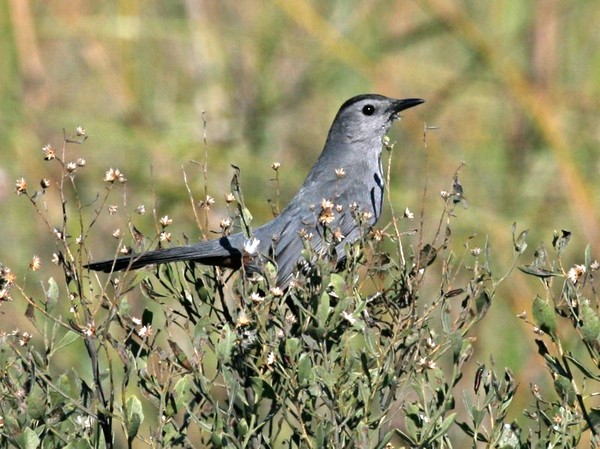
point(408, 214)
point(164, 236)
point(24, 338)
point(377, 234)
point(112, 209)
point(71, 167)
point(141, 209)
point(275, 166)
point(337, 235)
point(49, 152)
point(80, 131)
point(243, 319)
point(45, 183)
point(340, 172)
point(576, 273)
point(165, 221)
point(276, 291)
point(146, 331)
point(21, 186)
point(206, 203)
point(81, 162)
point(225, 223)
point(58, 233)
point(326, 216)
point(229, 198)
point(90, 329)
point(304, 234)
point(114, 174)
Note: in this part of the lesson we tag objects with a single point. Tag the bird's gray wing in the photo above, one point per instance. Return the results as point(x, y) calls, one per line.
point(306, 222)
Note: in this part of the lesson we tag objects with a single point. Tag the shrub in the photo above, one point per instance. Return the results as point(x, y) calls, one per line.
point(367, 355)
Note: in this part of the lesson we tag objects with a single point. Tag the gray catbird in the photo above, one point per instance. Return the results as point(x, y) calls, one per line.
point(340, 198)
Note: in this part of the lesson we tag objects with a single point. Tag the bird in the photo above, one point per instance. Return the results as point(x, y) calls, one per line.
point(340, 199)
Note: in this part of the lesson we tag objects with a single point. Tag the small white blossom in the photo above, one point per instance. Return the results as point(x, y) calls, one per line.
point(85, 421)
point(251, 246)
point(276, 291)
point(575, 273)
point(146, 331)
point(476, 251)
point(165, 221)
point(348, 317)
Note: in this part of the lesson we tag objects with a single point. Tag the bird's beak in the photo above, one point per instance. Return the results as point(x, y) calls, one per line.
point(401, 105)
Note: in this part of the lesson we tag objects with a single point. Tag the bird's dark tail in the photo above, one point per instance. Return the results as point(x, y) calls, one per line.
point(218, 252)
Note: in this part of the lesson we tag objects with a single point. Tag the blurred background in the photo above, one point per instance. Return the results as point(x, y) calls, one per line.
point(163, 86)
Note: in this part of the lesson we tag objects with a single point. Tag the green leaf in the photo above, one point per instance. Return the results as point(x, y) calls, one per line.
point(544, 315)
point(590, 328)
point(28, 440)
point(588, 257)
point(36, 403)
point(456, 343)
point(483, 303)
point(519, 243)
point(262, 388)
point(584, 369)
point(134, 416)
point(182, 393)
point(565, 390)
point(224, 347)
point(323, 310)
point(337, 284)
point(305, 375)
point(51, 295)
point(67, 339)
point(292, 348)
point(538, 271)
point(79, 444)
point(443, 429)
point(594, 419)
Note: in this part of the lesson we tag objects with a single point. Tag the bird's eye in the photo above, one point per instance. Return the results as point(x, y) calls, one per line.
point(368, 109)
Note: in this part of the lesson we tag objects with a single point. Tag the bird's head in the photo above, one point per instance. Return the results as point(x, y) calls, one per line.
point(368, 117)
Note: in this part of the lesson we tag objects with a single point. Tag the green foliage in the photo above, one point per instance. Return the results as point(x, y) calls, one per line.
point(364, 355)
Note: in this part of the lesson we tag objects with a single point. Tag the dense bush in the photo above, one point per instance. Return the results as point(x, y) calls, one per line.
point(369, 356)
